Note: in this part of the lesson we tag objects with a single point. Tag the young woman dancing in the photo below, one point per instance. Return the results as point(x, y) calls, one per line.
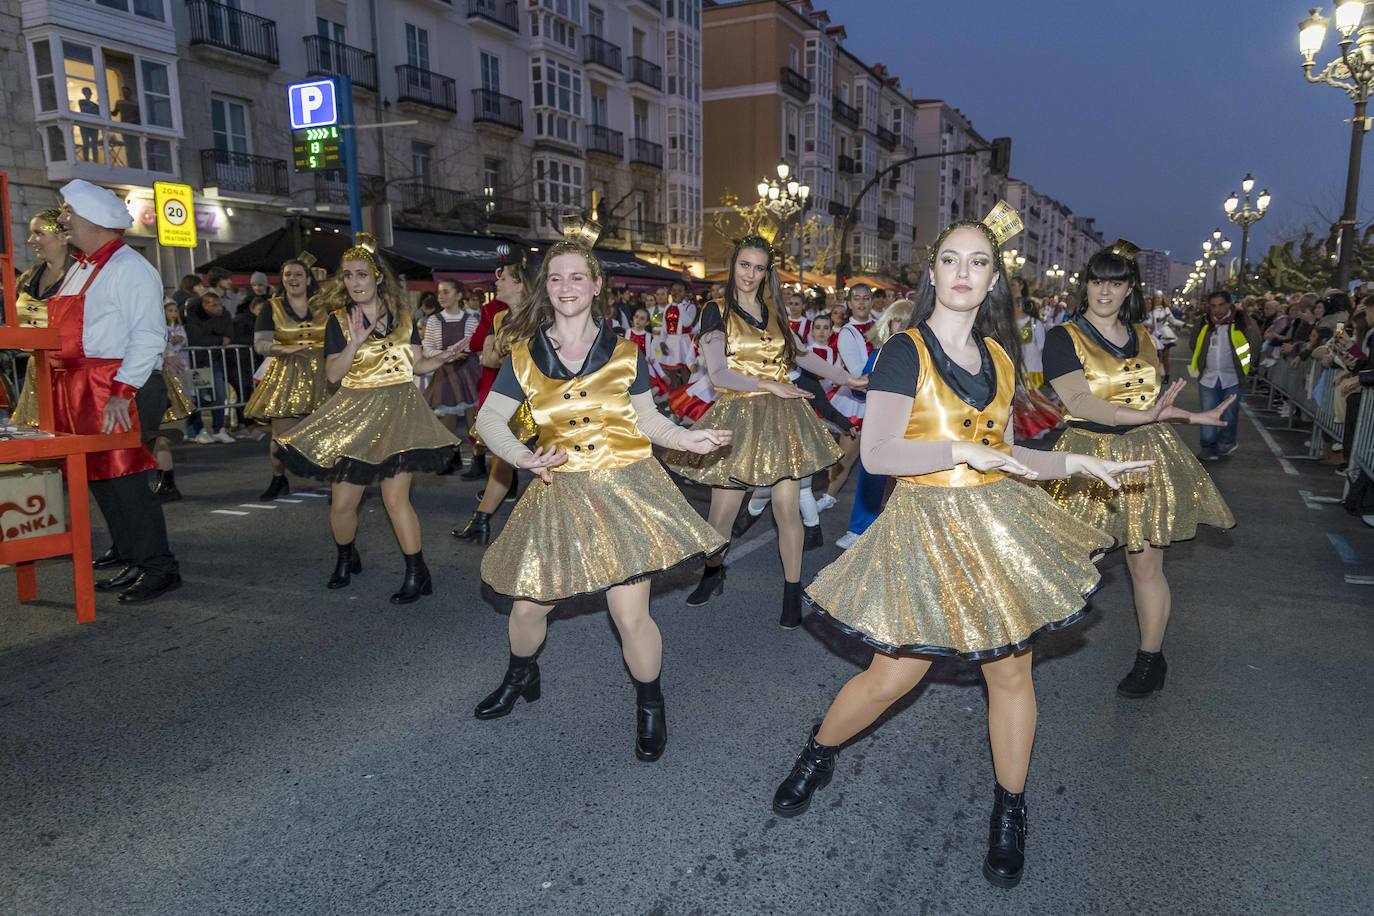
point(982, 563)
point(377, 427)
point(1104, 366)
point(778, 440)
point(606, 516)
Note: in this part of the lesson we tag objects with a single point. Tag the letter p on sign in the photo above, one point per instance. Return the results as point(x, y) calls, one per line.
point(312, 104)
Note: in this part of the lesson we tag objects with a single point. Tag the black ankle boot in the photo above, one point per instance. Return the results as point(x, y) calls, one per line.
point(348, 565)
point(166, 488)
point(279, 486)
point(712, 583)
point(1146, 677)
point(477, 468)
point(1006, 856)
point(522, 680)
point(791, 606)
point(812, 537)
point(651, 724)
point(743, 522)
point(416, 582)
point(813, 770)
point(478, 529)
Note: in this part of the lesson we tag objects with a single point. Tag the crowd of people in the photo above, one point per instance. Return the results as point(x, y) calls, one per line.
point(940, 401)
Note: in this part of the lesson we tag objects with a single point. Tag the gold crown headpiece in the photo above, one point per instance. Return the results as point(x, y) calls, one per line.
point(364, 249)
point(1125, 249)
point(581, 230)
point(761, 233)
point(1003, 222)
point(306, 258)
point(47, 220)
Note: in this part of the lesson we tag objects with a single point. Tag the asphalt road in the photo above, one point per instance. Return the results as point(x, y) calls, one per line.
point(258, 744)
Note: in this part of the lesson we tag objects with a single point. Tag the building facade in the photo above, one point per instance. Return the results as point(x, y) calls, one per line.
point(521, 112)
point(783, 88)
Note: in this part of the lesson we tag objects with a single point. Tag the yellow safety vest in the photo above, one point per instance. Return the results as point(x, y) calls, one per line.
point(1238, 340)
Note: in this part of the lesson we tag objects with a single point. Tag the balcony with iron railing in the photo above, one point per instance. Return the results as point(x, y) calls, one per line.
point(887, 228)
point(490, 107)
point(430, 199)
point(331, 187)
point(845, 112)
point(646, 72)
point(646, 233)
point(847, 165)
point(224, 28)
point(645, 152)
point(838, 210)
point(327, 57)
point(795, 83)
point(605, 141)
point(244, 173)
point(600, 52)
point(887, 138)
point(427, 88)
point(505, 13)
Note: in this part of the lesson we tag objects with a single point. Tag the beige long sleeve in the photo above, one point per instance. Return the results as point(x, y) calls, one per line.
point(1073, 390)
point(660, 430)
point(493, 427)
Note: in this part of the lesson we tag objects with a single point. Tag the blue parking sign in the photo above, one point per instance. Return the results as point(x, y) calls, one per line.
point(312, 104)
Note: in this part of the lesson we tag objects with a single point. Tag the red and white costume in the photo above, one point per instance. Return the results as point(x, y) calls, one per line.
point(801, 327)
point(852, 342)
point(676, 347)
point(831, 354)
point(648, 345)
point(696, 397)
point(111, 333)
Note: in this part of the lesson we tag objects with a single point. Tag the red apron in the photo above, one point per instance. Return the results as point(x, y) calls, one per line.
point(81, 388)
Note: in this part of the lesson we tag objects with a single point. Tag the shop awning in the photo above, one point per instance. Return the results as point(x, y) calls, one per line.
point(326, 242)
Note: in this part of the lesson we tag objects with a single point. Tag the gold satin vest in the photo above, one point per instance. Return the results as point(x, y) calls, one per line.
point(1132, 382)
point(755, 352)
point(288, 332)
point(33, 312)
point(589, 416)
point(382, 361)
point(938, 413)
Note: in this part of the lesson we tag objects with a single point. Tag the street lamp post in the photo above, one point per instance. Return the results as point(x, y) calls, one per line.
point(1056, 273)
point(785, 197)
point(1352, 72)
point(1243, 216)
point(1214, 251)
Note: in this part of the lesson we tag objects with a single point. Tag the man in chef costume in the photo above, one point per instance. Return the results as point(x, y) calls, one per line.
point(107, 379)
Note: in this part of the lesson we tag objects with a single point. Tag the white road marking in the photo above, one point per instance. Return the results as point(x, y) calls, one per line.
point(227, 512)
point(1269, 441)
point(256, 506)
point(283, 499)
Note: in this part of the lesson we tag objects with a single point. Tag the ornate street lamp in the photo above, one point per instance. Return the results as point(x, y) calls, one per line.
point(1243, 216)
point(1352, 72)
point(785, 197)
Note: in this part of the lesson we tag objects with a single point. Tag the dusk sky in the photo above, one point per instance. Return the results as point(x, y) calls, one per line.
point(1144, 115)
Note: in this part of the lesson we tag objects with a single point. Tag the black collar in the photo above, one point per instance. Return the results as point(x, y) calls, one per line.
point(1130, 351)
point(763, 310)
point(975, 390)
point(546, 357)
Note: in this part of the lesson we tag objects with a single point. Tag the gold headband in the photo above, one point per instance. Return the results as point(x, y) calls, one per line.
point(364, 249)
point(572, 246)
point(47, 220)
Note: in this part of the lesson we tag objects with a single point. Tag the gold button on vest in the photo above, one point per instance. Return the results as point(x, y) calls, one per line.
point(33, 312)
point(938, 413)
point(755, 352)
point(381, 361)
point(288, 332)
point(590, 416)
point(1130, 382)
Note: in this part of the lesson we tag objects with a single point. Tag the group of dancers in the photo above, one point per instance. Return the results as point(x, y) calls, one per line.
point(968, 544)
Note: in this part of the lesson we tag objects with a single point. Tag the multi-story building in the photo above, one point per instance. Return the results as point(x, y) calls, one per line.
point(782, 87)
point(521, 112)
point(954, 187)
point(1154, 270)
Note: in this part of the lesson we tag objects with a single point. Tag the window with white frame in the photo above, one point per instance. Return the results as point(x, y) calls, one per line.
point(417, 47)
point(557, 90)
point(148, 9)
point(558, 188)
point(791, 129)
point(490, 72)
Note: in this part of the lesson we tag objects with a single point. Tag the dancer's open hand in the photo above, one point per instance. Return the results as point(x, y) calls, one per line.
point(784, 389)
point(984, 458)
point(1105, 471)
point(541, 459)
point(701, 441)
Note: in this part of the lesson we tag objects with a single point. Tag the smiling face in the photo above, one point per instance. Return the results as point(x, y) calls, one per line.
point(295, 280)
point(570, 285)
point(1105, 297)
point(359, 281)
point(49, 246)
point(964, 271)
point(751, 266)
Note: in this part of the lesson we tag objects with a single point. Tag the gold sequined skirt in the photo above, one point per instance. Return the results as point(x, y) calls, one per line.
point(179, 405)
point(293, 386)
point(974, 572)
point(1159, 506)
point(25, 411)
point(589, 530)
point(361, 435)
point(775, 439)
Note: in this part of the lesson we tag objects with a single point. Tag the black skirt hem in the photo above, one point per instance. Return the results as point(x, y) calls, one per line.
point(637, 577)
point(361, 473)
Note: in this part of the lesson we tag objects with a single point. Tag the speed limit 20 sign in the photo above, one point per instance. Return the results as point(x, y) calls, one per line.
point(176, 215)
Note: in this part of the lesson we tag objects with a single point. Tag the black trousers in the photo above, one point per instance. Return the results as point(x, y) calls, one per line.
point(133, 512)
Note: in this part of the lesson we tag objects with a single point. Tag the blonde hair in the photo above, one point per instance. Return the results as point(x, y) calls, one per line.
point(899, 309)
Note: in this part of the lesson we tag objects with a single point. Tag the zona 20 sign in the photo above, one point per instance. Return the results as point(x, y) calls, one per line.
point(176, 214)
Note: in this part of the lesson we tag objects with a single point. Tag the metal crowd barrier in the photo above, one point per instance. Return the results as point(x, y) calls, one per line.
point(1362, 452)
point(233, 364)
point(1311, 390)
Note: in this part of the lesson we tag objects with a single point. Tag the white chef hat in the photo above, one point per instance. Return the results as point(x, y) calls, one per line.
point(99, 205)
